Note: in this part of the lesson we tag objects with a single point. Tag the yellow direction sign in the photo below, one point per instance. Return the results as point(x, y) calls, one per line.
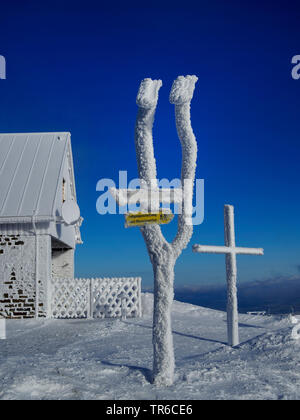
point(141, 219)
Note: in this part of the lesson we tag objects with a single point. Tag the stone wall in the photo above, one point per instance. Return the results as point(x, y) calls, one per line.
point(18, 275)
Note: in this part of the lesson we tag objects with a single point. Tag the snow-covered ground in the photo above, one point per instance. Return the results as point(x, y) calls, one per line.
point(111, 359)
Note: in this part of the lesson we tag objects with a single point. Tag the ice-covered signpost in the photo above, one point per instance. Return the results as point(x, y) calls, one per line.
point(163, 255)
point(230, 250)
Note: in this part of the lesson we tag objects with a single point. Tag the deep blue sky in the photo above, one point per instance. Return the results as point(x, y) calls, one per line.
point(76, 66)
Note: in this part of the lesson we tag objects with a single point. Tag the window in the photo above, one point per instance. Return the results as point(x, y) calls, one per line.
point(64, 190)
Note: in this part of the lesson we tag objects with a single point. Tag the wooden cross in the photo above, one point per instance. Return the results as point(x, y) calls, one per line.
point(230, 250)
point(147, 197)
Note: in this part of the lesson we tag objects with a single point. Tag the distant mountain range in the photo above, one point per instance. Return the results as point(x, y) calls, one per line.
point(276, 295)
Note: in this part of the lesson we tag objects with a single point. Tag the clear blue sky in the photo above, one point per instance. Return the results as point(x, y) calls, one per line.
point(76, 66)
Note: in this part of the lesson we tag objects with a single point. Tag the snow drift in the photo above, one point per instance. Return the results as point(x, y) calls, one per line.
point(112, 359)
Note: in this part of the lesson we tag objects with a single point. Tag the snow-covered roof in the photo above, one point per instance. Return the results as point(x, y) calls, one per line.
point(31, 166)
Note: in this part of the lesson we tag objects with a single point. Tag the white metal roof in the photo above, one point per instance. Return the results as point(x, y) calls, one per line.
point(30, 169)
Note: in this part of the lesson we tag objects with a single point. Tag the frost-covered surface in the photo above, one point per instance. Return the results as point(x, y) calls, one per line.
point(144, 196)
point(107, 359)
point(146, 100)
point(95, 297)
point(162, 254)
point(231, 275)
point(230, 251)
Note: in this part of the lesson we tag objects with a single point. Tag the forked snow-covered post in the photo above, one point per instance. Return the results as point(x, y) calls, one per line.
point(163, 254)
point(230, 250)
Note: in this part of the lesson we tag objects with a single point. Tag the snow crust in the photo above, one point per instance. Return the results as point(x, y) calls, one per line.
point(144, 196)
point(112, 359)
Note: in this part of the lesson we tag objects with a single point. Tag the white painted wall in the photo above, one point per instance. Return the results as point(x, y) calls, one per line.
point(62, 263)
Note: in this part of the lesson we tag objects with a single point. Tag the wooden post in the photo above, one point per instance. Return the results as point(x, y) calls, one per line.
point(230, 251)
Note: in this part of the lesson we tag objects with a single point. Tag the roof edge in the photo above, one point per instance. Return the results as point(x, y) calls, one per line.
point(26, 219)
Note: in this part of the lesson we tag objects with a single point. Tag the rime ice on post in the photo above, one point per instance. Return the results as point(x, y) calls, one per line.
point(163, 255)
point(231, 273)
point(230, 250)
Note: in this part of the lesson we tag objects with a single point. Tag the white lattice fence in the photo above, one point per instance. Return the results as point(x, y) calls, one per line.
point(96, 298)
